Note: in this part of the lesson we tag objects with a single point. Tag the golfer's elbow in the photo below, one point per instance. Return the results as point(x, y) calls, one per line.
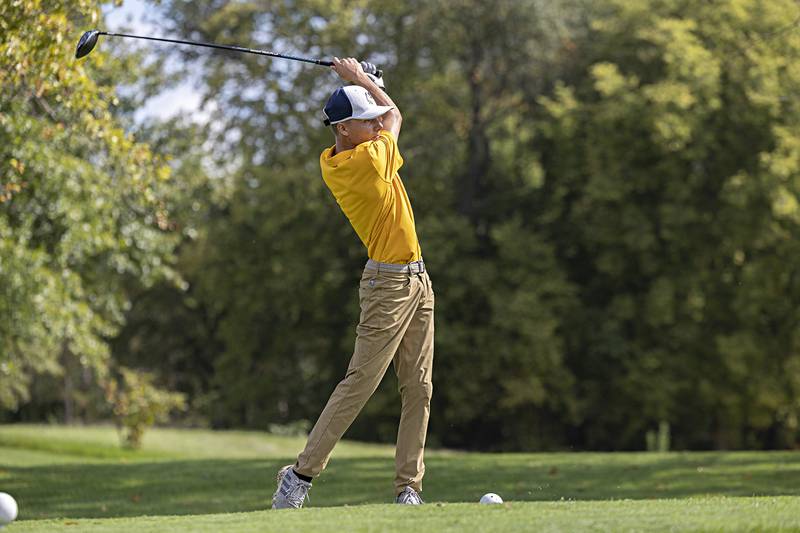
point(393, 121)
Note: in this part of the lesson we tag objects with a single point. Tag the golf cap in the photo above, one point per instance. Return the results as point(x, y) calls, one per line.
point(352, 102)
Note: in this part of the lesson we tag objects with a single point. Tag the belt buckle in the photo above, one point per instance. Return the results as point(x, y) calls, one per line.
point(416, 267)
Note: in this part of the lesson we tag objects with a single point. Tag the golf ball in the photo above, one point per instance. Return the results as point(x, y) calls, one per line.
point(8, 509)
point(491, 498)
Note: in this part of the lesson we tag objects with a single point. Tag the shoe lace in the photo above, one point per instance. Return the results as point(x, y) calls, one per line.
point(410, 496)
point(299, 493)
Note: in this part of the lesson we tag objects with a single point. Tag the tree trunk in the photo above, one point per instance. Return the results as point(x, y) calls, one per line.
point(478, 154)
point(69, 406)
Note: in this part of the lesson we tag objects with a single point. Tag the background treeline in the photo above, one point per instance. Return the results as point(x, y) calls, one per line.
point(606, 193)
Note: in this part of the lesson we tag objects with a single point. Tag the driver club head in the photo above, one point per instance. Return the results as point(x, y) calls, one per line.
point(86, 44)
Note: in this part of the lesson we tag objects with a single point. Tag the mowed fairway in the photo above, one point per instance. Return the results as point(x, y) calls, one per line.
point(78, 479)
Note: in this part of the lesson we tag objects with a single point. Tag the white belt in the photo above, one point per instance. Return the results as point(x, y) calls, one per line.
point(415, 267)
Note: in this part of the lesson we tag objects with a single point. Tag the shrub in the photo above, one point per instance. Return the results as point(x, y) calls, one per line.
point(137, 404)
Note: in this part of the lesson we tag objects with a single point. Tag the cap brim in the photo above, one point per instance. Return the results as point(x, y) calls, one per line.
point(374, 112)
point(369, 114)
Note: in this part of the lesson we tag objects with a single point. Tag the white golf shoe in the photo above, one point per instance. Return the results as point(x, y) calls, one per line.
point(291, 492)
point(409, 497)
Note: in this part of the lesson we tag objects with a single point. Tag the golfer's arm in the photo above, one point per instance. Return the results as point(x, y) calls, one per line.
point(392, 120)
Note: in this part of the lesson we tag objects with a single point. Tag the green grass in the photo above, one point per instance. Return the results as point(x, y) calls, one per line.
point(78, 479)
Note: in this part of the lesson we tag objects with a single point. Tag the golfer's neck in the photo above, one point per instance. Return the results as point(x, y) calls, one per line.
point(343, 144)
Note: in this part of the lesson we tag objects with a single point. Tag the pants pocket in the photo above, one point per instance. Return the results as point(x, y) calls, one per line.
point(382, 298)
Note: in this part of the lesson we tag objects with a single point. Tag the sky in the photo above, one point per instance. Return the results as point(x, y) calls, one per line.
point(131, 16)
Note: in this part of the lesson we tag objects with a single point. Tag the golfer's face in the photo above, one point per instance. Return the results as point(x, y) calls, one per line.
point(364, 130)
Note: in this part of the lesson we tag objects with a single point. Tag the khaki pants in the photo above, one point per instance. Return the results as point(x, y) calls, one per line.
point(396, 326)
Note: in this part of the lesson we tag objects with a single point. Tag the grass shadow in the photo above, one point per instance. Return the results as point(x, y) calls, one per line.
point(587, 476)
point(182, 487)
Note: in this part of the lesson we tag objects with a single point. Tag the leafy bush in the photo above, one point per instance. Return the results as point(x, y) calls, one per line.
point(138, 404)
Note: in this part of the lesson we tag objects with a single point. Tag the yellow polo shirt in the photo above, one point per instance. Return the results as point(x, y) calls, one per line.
point(369, 190)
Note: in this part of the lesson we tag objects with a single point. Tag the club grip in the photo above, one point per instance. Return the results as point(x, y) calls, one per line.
point(370, 68)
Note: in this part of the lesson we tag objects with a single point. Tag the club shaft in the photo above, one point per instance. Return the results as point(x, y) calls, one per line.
point(223, 47)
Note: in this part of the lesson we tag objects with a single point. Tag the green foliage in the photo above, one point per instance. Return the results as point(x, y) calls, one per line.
point(278, 262)
point(137, 403)
point(81, 212)
point(663, 152)
point(607, 197)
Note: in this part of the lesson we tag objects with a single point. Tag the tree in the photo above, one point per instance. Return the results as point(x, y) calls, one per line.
point(670, 167)
point(82, 218)
point(279, 261)
point(606, 195)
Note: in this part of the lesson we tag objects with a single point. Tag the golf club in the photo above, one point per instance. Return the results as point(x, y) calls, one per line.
point(89, 40)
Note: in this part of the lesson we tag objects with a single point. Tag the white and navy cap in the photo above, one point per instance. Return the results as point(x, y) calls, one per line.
point(353, 102)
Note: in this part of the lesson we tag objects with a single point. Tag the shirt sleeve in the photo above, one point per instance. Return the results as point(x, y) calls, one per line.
point(385, 155)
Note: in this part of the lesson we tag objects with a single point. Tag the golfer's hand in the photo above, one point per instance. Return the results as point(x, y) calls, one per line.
point(348, 69)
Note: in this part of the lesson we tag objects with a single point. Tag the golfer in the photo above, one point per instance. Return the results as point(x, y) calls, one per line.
point(395, 293)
